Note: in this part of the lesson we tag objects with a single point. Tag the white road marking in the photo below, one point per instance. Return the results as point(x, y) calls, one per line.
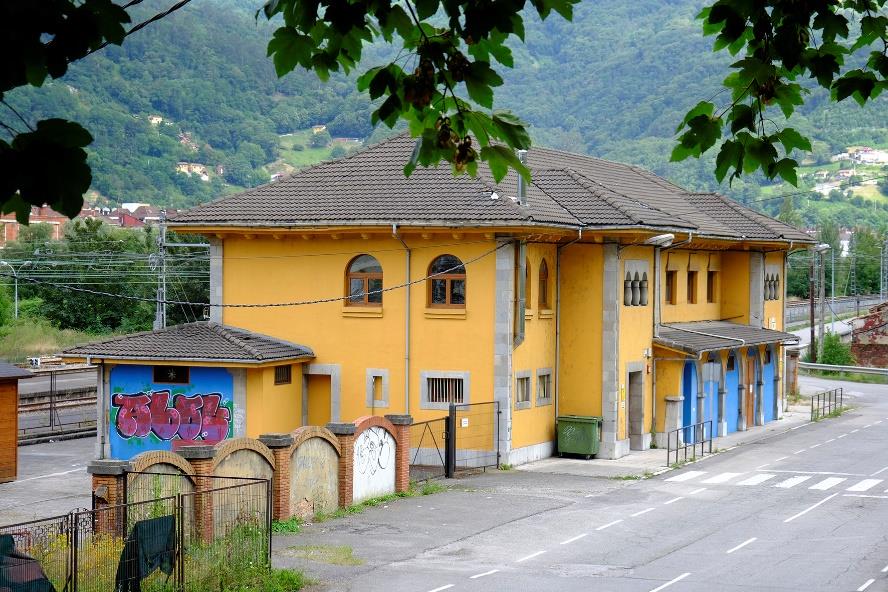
point(642, 512)
point(865, 495)
point(866, 585)
point(574, 539)
point(827, 483)
point(805, 511)
point(855, 431)
point(830, 440)
point(447, 587)
point(741, 545)
point(869, 425)
point(842, 436)
point(609, 524)
point(820, 473)
point(481, 575)
point(672, 501)
point(882, 470)
point(877, 422)
point(762, 466)
point(696, 491)
point(46, 476)
point(864, 485)
point(670, 582)
point(687, 476)
point(781, 458)
point(801, 426)
point(756, 479)
point(531, 556)
point(722, 478)
point(885, 569)
point(793, 481)
point(800, 451)
point(814, 446)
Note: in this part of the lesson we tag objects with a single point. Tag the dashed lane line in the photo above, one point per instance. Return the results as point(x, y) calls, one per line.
point(781, 458)
point(609, 524)
point(865, 485)
point(830, 440)
point(696, 491)
point(885, 569)
point(741, 545)
point(528, 557)
point(762, 466)
point(808, 509)
point(882, 470)
point(672, 581)
point(841, 436)
point(866, 584)
point(865, 495)
point(447, 587)
point(672, 501)
point(481, 575)
point(877, 422)
point(869, 425)
point(815, 445)
point(800, 451)
point(636, 514)
point(574, 539)
point(854, 431)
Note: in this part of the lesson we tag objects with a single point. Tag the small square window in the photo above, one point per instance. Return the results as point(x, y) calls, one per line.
point(172, 374)
point(377, 389)
point(544, 387)
point(522, 392)
point(283, 374)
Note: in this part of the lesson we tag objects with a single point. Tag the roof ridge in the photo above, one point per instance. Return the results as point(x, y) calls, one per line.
point(226, 333)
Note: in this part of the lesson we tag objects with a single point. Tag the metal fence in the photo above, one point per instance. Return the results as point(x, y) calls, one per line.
point(475, 428)
point(208, 539)
point(427, 449)
point(799, 311)
point(61, 409)
point(689, 437)
point(825, 403)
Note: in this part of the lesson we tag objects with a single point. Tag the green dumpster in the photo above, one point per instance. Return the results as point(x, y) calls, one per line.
point(578, 434)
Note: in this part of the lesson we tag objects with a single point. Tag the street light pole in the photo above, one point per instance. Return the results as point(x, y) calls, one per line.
point(812, 351)
point(817, 250)
point(15, 279)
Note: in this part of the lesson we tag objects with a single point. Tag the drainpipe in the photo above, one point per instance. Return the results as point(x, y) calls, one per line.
point(520, 292)
point(406, 319)
point(558, 313)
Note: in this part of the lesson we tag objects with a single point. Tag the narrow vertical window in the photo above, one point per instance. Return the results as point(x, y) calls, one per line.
point(692, 287)
point(711, 286)
point(527, 291)
point(669, 288)
point(543, 295)
point(364, 281)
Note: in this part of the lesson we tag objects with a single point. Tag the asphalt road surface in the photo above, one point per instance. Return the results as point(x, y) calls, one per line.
point(805, 510)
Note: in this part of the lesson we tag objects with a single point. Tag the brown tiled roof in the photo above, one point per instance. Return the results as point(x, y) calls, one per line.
point(194, 342)
point(369, 188)
point(705, 336)
point(10, 372)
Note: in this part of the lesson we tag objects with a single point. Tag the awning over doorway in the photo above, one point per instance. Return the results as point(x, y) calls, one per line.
point(706, 336)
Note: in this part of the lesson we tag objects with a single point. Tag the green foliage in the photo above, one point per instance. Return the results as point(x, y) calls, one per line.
point(292, 525)
point(320, 139)
point(7, 306)
point(31, 337)
point(781, 42)
point(835, 352)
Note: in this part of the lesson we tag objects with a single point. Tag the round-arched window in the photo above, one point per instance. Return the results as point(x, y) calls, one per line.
point(364, 281)
point(447, 282)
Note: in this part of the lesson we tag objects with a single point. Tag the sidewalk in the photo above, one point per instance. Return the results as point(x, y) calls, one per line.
point(637, 464)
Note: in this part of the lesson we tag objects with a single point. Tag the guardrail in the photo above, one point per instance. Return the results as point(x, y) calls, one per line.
point(854, 369)
point(822, 404)
point(689, 436)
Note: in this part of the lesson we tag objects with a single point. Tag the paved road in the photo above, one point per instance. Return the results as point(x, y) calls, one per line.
point(806, 510)
point(75, 380)
point(840, 327)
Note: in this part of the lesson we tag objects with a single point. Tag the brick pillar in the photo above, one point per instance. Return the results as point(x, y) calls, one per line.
point(402, 425)
point(282, 447)
point(201, 458)
point(109, 491)
point(345, 432)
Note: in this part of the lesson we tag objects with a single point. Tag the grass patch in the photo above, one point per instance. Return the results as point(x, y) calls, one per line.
point(290, 526)
point(505, 467)
point(30, 338)
point(415, 490)
point(795, 398)
point(330, 554)
point(837, 412)
point(645, 475)
point(849, 376)
point(681, 463)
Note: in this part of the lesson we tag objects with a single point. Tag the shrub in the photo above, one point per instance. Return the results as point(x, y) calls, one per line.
point(835, 351)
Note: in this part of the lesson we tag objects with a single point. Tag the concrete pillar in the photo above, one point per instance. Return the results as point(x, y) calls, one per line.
point(701, 391)
point(402, 425)
point(345, 432)
point(502, 343)
point(791, 372)
point(281, 446)
point(742, 391)
point(779, 395)
point(722, 426)
point(109, 491)
point(673, 421)
point(759, 401)
point(611, 444)
point(201, 458)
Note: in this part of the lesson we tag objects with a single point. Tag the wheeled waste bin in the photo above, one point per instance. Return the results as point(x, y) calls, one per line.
point(578, 434)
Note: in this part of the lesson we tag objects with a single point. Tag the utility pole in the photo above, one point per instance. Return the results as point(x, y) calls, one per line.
point(883, 272)
point(817, 250)
point(15, 277)
point(832, 290)
point(160, 312)
point(811, 286)
point(822, 301)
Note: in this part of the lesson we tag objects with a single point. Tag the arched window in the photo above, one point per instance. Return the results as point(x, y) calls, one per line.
point(447, 287)
point(543, 296)
point(527, 290)
point(363, 281)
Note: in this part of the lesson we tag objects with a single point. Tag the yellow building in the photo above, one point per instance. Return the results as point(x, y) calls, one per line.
point(597, 289)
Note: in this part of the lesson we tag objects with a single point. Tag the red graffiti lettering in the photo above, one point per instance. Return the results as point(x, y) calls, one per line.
point(133, 416)
point(164, 419)
point(189, 410)
point(188, 419)
point(215, 419)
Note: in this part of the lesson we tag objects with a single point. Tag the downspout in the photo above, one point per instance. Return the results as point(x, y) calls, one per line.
point(407, 305)
point(558, 313)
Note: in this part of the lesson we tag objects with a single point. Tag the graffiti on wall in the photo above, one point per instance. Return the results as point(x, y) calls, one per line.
point(147, 416)
point(374, 464)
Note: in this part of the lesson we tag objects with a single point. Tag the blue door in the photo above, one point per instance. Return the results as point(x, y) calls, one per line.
point(769, 397)
point(689, 392)
point(732, 399)
point(711, 373)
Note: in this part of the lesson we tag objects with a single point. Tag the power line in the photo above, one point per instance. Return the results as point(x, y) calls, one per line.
point(271, 305)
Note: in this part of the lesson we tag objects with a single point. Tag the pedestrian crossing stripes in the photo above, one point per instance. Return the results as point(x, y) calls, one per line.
point(770, 480)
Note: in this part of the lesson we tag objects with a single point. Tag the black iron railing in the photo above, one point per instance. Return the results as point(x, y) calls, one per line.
point(825, 403)
point(695, 437)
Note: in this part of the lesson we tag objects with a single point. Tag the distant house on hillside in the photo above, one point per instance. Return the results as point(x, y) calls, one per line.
point(155, 120)
point(193, 168)
point(316, 129)
point(870, 156)
point(9, 226)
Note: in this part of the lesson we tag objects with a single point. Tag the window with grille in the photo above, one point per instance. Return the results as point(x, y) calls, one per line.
point(283, 374)
point(522, 392)
point(445, 390)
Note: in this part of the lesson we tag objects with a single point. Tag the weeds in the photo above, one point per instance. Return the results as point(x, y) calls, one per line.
point(414, 491)
point(505, 467)
point(837, 412)
point(290, 526)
